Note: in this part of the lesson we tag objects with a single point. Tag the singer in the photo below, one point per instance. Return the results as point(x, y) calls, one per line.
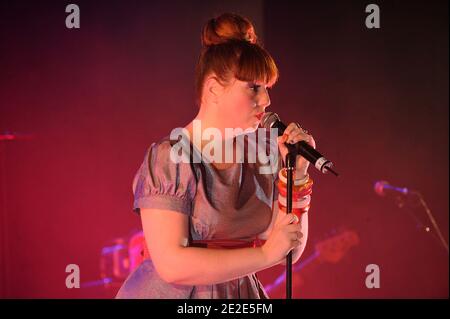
point(210, 226)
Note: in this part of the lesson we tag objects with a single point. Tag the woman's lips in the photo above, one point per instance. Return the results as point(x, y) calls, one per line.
point(259, 116)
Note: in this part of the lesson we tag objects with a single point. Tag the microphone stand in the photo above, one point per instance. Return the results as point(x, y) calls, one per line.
point(414, 199)
point(290, 161)
point(432, 220)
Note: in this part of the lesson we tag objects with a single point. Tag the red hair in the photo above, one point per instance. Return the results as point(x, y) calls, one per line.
point(230, 48)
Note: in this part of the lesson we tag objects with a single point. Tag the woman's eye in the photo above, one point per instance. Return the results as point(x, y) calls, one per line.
point(255, 87)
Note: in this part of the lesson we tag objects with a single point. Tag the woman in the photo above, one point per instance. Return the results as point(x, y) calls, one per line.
point(200, 219)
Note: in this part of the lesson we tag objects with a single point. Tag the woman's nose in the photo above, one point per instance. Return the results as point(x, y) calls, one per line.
point(264, 99)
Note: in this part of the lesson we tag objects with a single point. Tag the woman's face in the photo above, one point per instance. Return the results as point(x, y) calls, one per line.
point(243, 104)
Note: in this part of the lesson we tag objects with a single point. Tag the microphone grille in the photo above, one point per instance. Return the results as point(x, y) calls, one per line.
point(269, 119)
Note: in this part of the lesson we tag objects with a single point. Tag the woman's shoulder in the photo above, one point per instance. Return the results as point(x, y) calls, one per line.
point(170, 154)
point(160, 147)
point(162, 161)
point(163, 183)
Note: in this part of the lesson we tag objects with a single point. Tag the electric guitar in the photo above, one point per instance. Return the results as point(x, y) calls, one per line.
point(330, 250)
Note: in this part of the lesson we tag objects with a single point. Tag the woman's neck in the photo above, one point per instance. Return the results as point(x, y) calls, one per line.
point(207, 134)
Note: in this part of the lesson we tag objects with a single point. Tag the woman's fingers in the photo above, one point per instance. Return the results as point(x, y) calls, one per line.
point(291, 128)
point(295, 236)
point(288, 219)
point(293, 228)
point(286, 235)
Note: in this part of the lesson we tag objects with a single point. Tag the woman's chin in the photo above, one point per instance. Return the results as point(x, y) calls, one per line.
point(251, 129)
point(241, 131)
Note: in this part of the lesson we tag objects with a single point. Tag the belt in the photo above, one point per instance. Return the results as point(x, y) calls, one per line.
point(217, 243)
point(227, 243)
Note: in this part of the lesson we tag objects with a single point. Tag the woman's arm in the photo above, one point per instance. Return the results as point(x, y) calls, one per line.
point(166, 234)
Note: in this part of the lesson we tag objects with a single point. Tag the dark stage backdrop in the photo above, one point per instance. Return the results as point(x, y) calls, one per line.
point(377, 102)
point(86, 103)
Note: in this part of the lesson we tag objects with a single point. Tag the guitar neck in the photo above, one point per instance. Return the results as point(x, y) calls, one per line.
point(306, 262)
point(301, 265)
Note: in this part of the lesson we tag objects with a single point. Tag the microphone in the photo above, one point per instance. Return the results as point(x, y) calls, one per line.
point(272, 120)
point(383, 188)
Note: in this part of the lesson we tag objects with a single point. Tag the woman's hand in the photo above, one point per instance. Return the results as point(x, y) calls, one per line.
point(285, 236)
point(293, 134)
point(298, 251)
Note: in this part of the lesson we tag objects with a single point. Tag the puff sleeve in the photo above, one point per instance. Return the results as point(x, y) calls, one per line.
point(161, 183)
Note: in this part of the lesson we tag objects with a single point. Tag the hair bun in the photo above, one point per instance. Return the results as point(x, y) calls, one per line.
point(228, 27)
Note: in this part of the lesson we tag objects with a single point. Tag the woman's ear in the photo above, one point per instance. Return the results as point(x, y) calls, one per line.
point(213, 89)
